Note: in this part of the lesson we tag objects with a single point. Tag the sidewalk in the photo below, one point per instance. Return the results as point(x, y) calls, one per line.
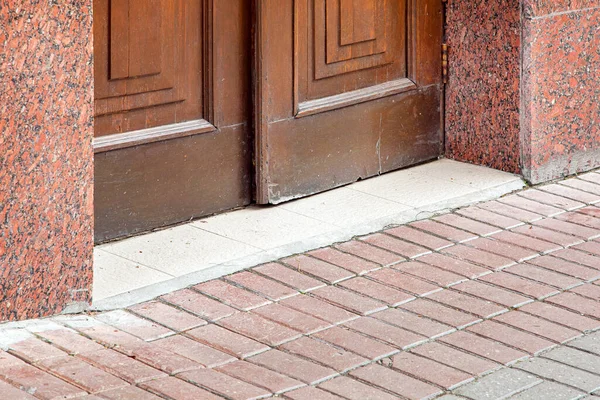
point(494, 301)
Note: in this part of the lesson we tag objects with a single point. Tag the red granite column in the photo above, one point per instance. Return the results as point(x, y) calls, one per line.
point(46, 157)
point(561, 88)
point(482, 95)
point(524, 93)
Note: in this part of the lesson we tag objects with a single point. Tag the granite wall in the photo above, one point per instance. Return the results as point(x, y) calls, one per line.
point(482, 95)
point(561, 88)
point(524, 89)
point(46, 158)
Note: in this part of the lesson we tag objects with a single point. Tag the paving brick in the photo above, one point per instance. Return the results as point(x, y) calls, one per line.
point(164, 360)
point(178, 389)
point(386, 294)
point(122, 366)
point(196, 351)
point(356, 343)
point(395, 382)
point(544, 276)
point(344, 260)
point(140, 327)
point(311, 393)
point(293, 366)
point(551, 199)
point(444, 231)
point(548, 390)
point(395, 245)
point(489, 260)
point(590, 177)
point(592, 211)
point(492, 293)
point(437, 276)
point(407, 283)
point(566, 267)
point(548, 235)
point(570, 192)
point(568, 228)
point(82, 374)
point(168, 316)
point(579, 257)
point(413, 322)
point(454, 265)
point(520, 285)
point(227, 341)
point(260, 329)
point(44, 385)
point(289, 277)
point(510, 211)
point(490, 245)
point(487, 348)
point(354, 390)
point(395, 336)
point(224, 385)
point(476, 227)
point(461, 301)
point(12, 393)
point(561, 316)
point(199, 304)
point(489, 217)
point(581, 184)
point(259, 376)
point(588, 290)
point(589, 247)
point(349, 300)
point(231, 295)
point(580, 218)
point(527, 342)
point(575, 358)
point(371, 253)
point(34, 350)
point(429, 370)
point(538, 326)
point(499, 385)
point(589, 343)
point(561, 373)
point(324, 353)
point(530, 205)
point(269, 288)
point(318, 268)
point(319, 309)
point(125, 393)
point(574, 302)
point(528, 242)
point(456, 358)
point(438, 312)
point(70, 341)
point(291, 318)
point(419, 237)
point(113, 338)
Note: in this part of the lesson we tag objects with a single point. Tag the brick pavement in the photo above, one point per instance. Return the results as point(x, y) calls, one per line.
point(493, 301)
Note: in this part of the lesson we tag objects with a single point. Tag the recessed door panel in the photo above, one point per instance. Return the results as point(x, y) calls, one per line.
point(346, 89)
point(172, 111)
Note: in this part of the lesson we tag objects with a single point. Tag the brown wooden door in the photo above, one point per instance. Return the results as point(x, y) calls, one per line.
point(172, 100)
point(345, 89)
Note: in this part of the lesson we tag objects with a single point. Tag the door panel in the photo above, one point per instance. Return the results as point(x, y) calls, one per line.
point(346, 89)
point(172, 90)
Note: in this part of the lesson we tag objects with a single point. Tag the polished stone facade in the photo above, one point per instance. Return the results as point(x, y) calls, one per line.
point(46, 169)
point(524, 89)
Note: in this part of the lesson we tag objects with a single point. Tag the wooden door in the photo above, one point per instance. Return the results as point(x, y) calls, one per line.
point(345, 89)
point(172, 111)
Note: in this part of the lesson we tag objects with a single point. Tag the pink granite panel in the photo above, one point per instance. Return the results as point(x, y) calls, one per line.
point(46, 176)
point(482, 95)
